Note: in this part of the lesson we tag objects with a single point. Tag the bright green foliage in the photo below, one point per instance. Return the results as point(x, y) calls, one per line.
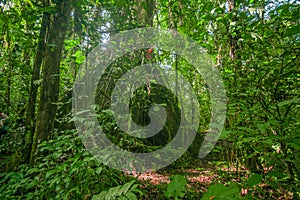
point(221, 192)
point(176, 188)
point(120, 192)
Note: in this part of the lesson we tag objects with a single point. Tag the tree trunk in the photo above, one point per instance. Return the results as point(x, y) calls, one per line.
point(51, 75)
point(145, 12)
point(232, 38)
point(11, 66)
point(30, 114)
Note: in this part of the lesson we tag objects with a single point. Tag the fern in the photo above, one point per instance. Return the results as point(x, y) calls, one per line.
point(120, 192)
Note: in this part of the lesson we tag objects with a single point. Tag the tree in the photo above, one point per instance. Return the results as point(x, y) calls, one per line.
point(31, 105)
point(51, 74)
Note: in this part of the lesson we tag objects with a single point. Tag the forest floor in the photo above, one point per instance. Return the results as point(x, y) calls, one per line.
point(200, 175)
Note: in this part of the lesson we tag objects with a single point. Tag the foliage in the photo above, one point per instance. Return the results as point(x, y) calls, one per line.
point(126, 191)
point(255, 46)
point(176, 188)
point(254, 180)
point(63, 170)
point(221, 192)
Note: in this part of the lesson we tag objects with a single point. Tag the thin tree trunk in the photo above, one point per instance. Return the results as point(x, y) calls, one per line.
point(51, 75)
point(31, 105)
point(232, 39)
point(11, 66)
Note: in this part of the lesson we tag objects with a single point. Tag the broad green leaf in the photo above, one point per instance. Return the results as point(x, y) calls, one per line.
point(254, 180)
point(221, 192)
point(177, 187)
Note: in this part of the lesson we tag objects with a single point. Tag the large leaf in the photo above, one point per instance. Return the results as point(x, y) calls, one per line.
point(254, 180)
point(221, 192)
point(177, 187)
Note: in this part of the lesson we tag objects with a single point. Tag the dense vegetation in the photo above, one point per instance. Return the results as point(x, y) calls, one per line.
point(254, 44)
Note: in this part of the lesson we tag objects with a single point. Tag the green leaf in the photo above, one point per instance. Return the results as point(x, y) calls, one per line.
point(289, 101)
point(122, 198)
point(295, 145)
point(120, 3)
point(221, 192)
point(126, 187)
point(245, 129)
point(254, 180)
point(206, 17)
point(293, 30)
point(99, 170)
point(119, 192)
point(131, 196)
point(48, 9)
point(37, 82)
point(100, 196)
point(49, 173)
point(225, 134)
point(9, 175)
point(176, 188)
point(114, 192)
point(32, 170)
point(263, 127)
